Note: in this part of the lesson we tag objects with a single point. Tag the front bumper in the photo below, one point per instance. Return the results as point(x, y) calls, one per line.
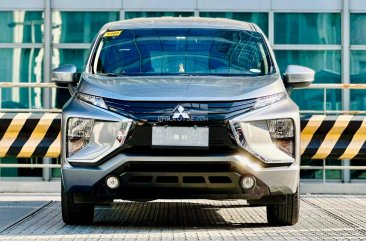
point(152, 177)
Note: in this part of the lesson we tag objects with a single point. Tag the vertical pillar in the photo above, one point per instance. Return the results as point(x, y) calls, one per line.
point(196, 11)
point(122, 12)
point(346, 70)
point(47, 71)
point(271, 27)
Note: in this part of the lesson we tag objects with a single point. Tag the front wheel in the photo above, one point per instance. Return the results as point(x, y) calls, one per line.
point(75, 213)
point(285, 214)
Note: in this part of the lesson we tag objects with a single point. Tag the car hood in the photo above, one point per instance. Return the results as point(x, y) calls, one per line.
point(181, 88)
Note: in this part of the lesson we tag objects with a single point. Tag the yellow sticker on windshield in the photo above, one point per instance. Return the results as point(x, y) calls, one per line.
point(112, 33)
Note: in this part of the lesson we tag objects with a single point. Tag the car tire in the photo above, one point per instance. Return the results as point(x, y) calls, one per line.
point(284, 214)
point(75, 213)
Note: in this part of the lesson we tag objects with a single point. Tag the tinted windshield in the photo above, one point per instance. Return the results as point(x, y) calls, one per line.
point(182, 52)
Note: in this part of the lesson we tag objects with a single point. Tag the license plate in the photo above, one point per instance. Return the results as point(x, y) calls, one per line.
point(180, 136)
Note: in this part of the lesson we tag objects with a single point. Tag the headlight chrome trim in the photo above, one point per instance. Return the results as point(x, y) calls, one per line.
point(92, 99)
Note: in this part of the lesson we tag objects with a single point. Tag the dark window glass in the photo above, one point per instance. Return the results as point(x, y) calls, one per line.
point(79, 27)
point(307, 28)
point(183, 51)
point(358, 174)
point(21, 27)
point(129, 15)
point(56, 172)
point(261, 19)
point(20, 172)
point(318, 174)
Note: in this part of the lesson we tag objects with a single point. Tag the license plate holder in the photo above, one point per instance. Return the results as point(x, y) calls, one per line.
point(176, 136)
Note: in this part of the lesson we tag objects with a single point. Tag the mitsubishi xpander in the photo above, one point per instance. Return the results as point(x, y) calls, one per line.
point(181, 108)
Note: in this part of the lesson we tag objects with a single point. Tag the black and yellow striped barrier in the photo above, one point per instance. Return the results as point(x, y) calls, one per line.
point(334, 137)
point(26, 135)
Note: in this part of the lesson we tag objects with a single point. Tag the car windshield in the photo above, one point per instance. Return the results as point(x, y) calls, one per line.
point(184, 51)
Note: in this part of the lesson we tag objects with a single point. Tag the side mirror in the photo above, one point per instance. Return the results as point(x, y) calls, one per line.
point(65, 75)
point(297, 76)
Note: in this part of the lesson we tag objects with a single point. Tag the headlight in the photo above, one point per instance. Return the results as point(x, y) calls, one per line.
point(91, 99)
point(271, 141)
point(78, 134)
point(269, 100)
point(282, 134)
point(87, 139)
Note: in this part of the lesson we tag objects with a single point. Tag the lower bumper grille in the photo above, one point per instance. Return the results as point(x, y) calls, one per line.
point(180, 180)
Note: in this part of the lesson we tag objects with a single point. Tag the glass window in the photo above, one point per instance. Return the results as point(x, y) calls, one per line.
point(357, 26)
point(61, 57)
point(358, 76)
point(77, 57)
point(130, 15)
point(358, 174)
point(183, 51)
point(261, 19)
point(56, 172)
point(327, 65)
point(20, 172)
point(307, 28)
point(318, 174)
point(21, 27)
point(79, 27)
point(21, 65)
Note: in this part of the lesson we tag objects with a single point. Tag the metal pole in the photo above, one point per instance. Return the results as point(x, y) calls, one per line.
point(196, 10)
point(47, 71)
point(325, 101)
point(271, 28)
point(324, 171)
point(346, 71)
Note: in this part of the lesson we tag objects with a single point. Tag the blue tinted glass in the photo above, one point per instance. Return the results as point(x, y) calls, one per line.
point(261, 19)
point(358, 76)
point(21, 65)
point(307, 28)
point(77, 57)
point(61, 57)
point(130, 15)
point(327, 65)
point(184, 51)
point(21, 27)
point(357, 26)
point(79, 27)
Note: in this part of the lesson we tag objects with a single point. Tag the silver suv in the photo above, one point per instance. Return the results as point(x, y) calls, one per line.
point(181, 108)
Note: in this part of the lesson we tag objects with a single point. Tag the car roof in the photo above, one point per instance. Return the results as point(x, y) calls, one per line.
point(182, 22)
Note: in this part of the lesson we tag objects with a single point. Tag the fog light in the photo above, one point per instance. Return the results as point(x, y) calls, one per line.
point(112, 182)
point(247, 182)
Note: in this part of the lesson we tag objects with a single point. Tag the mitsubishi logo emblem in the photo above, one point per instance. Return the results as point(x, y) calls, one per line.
point(180, 112)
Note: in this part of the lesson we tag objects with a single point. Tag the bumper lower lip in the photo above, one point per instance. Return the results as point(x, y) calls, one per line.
point(279, 180)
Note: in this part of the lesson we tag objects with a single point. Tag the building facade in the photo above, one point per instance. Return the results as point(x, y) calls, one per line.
point(326, 35)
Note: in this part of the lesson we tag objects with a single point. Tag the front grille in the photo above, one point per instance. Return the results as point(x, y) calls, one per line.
point(136, 178)
point(154, 111)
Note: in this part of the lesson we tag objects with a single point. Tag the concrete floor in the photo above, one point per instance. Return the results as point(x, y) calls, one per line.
point(323, 217)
